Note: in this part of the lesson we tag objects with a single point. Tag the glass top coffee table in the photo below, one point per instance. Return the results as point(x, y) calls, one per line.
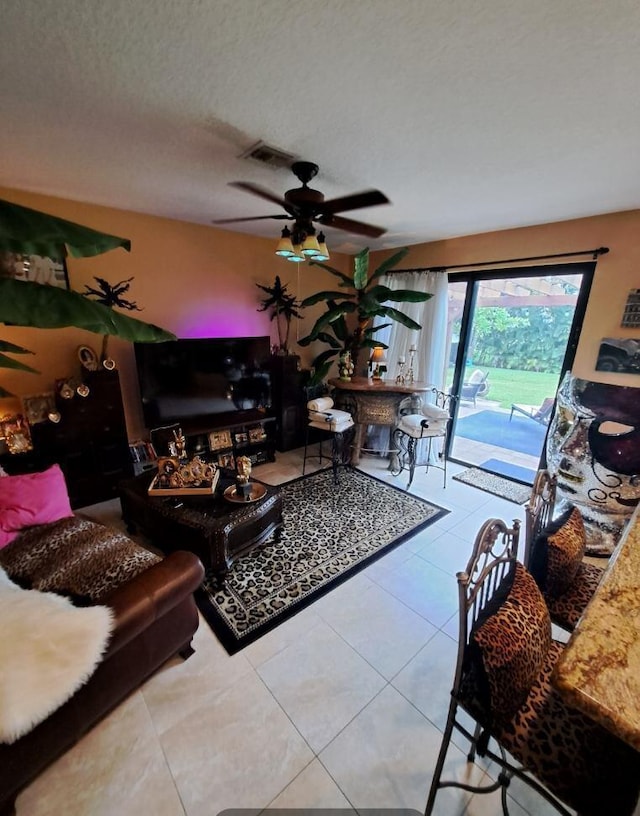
point(217, 529)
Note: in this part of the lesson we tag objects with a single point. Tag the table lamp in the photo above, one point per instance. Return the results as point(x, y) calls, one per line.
point(377, 362)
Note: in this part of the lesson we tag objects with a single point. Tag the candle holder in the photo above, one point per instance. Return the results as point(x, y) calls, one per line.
point(410, 372)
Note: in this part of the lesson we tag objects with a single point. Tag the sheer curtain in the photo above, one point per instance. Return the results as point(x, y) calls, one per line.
point(430, 359)
point(431, 340)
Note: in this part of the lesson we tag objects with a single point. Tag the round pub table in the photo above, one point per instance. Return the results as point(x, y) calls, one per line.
point(375, 402)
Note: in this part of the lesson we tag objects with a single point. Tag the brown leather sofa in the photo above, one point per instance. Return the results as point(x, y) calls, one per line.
point(155, 618)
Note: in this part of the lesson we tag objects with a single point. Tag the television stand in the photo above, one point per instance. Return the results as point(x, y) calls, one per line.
point(223, 442)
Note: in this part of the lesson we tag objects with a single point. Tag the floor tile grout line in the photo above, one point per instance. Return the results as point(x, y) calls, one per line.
point(164, 755)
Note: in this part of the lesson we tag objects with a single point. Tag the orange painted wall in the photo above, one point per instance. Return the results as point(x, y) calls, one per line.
point(193, 280)
point(616, 273)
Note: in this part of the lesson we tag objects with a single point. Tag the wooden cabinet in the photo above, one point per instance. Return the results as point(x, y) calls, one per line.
point(90, 442)
point(287, 401)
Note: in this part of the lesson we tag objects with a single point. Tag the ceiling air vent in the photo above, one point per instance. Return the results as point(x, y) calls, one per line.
point(271, 156)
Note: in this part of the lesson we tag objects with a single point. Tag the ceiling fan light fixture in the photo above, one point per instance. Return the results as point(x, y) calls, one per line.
point(285, 246)
point(323, 252)
point(297, 256)
point(310, 245)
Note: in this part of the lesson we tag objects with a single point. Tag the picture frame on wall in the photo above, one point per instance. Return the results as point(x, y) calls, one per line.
point(38, 407)
point(36, 268)
point(88, 358)
point(16, 434)
point(619, 354)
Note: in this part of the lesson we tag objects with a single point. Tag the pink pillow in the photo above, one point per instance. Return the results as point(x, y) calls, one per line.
point(32, 498)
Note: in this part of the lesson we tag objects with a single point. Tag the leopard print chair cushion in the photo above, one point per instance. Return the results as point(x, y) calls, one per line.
point(578, 760)
point(566, 609)
point(508, 645)
point(558, 553)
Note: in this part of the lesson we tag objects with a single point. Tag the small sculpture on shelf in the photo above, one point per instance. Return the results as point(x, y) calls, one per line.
point(345, 366)
point(243, 471)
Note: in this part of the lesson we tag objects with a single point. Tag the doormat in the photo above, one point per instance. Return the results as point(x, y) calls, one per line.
point(517, 473)
point(497, 485)
point(330, 532)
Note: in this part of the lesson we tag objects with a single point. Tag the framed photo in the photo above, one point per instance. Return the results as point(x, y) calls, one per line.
point(241, 438)
point(227, 460)
point(619, 354)
point(88, 358)
point(15, 430)
point(38, 407)
point(257, 434)
point(52, 271)
point(218, 440)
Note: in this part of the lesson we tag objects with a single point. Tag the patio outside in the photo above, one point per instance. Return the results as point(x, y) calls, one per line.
point(517, 341)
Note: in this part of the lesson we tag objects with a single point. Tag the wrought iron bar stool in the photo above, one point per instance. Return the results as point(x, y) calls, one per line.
point(331, 423)
point(418, 421)
point(554, 553)
point(502, 681)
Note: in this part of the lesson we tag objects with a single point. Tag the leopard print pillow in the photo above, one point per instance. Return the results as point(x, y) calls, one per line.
point(558, 553)
point(510, 645)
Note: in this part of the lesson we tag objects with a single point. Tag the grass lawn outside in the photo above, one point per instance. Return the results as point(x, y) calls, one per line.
point(507, 386)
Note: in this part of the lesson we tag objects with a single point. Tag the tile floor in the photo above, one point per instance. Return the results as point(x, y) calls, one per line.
point(341, 706)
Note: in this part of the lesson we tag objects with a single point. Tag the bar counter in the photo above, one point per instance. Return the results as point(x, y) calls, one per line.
point(599, 671)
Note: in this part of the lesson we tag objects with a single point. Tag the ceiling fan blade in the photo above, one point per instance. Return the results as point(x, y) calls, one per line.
point(254, 189)
point(357, 227)
point(254, 218)
point(366, 198)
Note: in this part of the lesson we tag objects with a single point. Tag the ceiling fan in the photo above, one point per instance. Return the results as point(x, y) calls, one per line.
point(304, 205)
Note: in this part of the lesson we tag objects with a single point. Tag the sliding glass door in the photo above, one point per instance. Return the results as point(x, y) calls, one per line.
point(513, 334)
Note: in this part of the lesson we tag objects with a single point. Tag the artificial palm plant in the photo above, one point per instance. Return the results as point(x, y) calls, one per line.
point(283, 306)
point(363, 298)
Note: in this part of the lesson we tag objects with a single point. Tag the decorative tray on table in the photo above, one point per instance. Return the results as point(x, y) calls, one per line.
point(176, 478)
point(258, 491)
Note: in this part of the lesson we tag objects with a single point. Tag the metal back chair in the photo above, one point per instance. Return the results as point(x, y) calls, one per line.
point(503, 682)
point(539, 509)
point(418, 422)
point(554, 553)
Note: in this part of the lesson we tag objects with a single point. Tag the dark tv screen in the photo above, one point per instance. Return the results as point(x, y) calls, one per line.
point(199, 378)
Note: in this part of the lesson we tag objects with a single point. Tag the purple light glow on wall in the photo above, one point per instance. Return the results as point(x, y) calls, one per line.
point(223, 320)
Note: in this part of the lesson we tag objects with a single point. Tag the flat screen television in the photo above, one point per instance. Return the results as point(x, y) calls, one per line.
point(225, 379)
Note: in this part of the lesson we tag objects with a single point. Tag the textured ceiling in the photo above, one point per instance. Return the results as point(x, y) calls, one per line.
point(470, 116)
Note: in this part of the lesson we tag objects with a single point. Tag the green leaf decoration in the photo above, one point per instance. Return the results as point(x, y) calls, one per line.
point(332, 341)
point(344, 278)
point(9, 362)
point(319, 296)
point(385, 266)
point(25, 303)
point(389, 311)
point(5, 393)
point(31, 232)
point(384, 294)
point(372, 329)
point(11, 348)
point(361, 269)
point(320, 373)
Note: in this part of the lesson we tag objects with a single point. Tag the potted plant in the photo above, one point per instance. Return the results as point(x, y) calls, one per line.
point(363, 298)
point(284, 308)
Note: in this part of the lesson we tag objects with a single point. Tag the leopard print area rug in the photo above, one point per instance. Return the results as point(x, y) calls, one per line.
point(330, 532)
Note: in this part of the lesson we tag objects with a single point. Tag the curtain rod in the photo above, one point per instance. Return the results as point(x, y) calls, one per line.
point(594, 252)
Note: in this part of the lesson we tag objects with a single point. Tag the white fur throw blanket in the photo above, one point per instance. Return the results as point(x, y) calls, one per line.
point(48, 649)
